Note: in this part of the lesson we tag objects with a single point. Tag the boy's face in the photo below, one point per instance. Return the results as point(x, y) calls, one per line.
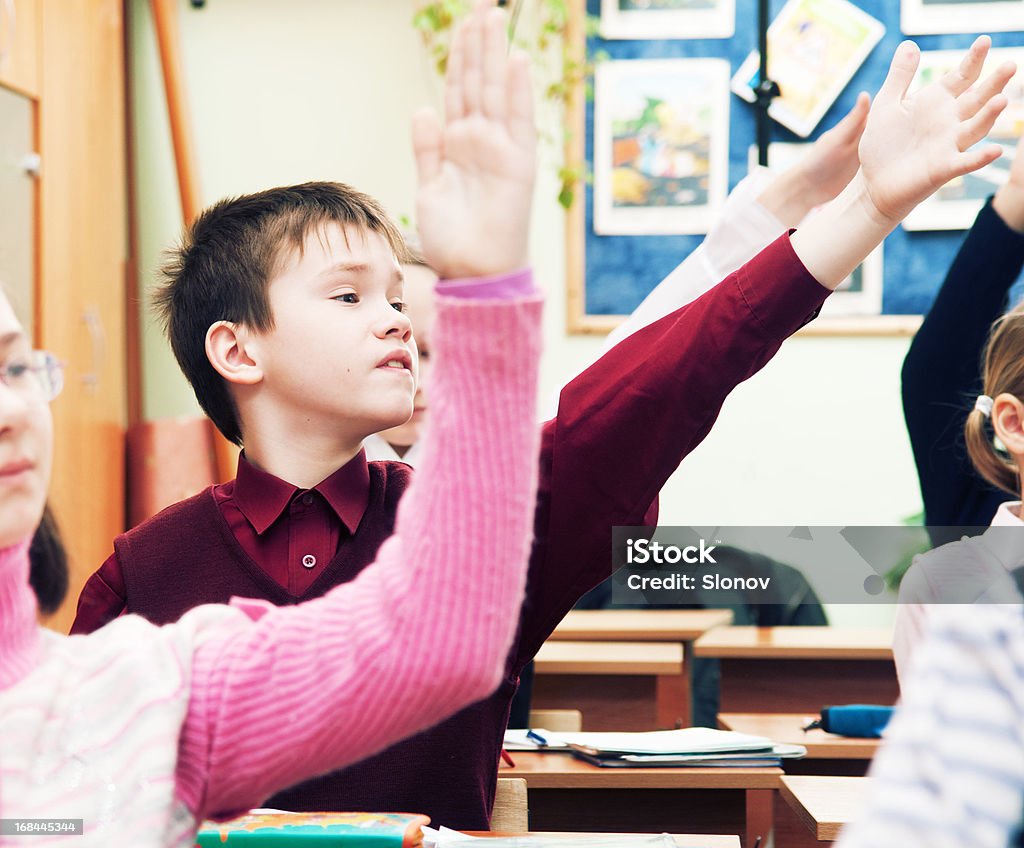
point(422, 311)
point(340, 357)
point(26, 437)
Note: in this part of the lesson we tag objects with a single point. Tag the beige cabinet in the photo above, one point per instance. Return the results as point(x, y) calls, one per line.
point(18, 199)
point(19, 45)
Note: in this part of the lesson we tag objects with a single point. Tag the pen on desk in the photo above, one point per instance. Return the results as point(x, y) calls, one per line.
point(534, 736)
point(507, 759)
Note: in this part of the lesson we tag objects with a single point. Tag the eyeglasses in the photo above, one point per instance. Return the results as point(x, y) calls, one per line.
point(40, 375)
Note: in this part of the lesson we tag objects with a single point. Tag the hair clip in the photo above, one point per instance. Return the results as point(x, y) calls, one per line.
point(984, 405)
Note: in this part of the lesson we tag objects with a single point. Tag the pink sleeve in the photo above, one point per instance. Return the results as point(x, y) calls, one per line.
point(911, 621)
point(422, 632)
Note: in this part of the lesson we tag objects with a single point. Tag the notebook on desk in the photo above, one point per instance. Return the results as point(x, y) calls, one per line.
point(276, 829)
point(691, 746)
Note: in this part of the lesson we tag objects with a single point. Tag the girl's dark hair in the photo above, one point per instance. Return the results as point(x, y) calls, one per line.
point(48, 564)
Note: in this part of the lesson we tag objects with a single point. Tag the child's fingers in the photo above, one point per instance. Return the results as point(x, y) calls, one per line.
point(494, 65)
point(520, 100)
point(454, 102)
point(975, 129)
point(472, 68)
point(966, 75)
point(427, 144)
point(978, 157)
point(852, 124)
point(973, 99)
point(901, 72)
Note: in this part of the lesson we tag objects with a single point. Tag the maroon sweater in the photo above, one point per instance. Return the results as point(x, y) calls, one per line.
point(622, 428)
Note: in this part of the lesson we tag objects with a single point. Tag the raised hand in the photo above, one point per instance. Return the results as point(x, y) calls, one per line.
point(1009, 199)
point(476, 172)
point(822, 172)
point(914, 144)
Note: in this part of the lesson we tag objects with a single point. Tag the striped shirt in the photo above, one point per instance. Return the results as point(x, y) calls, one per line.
point(951, 771)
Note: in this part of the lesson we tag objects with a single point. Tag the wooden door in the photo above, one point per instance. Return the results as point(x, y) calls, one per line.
point(82, 260)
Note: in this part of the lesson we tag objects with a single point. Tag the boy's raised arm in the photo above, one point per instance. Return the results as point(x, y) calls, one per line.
point(425, 630)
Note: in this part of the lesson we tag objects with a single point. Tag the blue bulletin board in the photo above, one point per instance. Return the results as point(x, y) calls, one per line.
point(610, 275)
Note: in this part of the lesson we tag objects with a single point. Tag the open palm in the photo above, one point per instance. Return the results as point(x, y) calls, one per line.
point(476, 172)
point(914, 144)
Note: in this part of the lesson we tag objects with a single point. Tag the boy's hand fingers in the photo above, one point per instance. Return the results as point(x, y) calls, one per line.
point(901, 73)
point(520, 100)
point(967, 74)
point(427, 144)
point(975, 129)
point(972, 100)
point(472, 67)
point(974, 159)
point(495, 65)
point(454, 102)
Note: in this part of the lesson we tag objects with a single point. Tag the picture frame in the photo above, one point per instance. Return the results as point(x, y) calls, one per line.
point(658, 19)
point(941, 17)
point(661, 136)
point(814, 49)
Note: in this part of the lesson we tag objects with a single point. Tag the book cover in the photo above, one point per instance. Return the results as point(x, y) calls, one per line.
point(349, 830)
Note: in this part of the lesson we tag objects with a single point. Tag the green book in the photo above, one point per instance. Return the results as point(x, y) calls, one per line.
point(349, 830)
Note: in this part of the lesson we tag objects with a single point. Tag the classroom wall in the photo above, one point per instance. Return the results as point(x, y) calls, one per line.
point(323, 89)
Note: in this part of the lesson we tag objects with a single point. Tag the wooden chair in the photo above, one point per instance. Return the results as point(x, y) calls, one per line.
point(558, 721)
point(511, 814)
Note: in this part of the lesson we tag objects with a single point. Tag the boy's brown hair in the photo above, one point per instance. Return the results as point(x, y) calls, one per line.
point(227, 258)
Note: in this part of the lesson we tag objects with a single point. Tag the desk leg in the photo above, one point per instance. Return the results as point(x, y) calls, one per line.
point(673, 700)
point(673, 694)
point(759, 816)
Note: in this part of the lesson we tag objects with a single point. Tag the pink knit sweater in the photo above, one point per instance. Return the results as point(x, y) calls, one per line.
point(144, 731)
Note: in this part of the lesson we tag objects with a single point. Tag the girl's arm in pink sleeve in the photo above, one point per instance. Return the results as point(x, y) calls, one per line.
point(422, 632)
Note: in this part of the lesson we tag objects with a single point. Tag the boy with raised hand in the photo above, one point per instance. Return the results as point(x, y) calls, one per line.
point(665, 383)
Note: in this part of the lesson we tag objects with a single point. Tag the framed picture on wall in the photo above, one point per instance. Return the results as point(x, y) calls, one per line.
point(956, 204)
point(861, 292)
point(921, 17)
point(661, 138)
point(660, 19)
point(814, 48)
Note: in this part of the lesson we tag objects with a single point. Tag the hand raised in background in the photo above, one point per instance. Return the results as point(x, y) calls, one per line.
point(476, 172)
point(822, 172)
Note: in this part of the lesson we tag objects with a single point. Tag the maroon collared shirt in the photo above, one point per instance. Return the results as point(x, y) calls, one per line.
point(292, 533)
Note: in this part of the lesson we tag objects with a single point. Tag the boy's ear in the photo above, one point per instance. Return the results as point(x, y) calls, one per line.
point(1008, 422)
point(226, 349)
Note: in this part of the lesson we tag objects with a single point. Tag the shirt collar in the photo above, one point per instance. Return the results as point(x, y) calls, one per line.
point(262, 497)
point(1005, 536)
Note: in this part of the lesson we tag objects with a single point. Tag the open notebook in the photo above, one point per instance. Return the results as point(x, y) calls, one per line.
point(695, 746)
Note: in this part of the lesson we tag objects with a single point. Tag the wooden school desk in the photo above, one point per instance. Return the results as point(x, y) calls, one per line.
point(682, 840)
point(826, 752)
point(637, 678)
point(569, 794)
point(812, 809)
point(801, 669)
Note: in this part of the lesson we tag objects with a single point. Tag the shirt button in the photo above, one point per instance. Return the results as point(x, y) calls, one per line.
point(307, 499)
point(309, 560)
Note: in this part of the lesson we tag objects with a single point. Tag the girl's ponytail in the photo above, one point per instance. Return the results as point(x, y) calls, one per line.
point(1003, 374)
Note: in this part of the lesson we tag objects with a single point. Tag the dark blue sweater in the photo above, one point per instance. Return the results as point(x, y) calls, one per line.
point(942, 376)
